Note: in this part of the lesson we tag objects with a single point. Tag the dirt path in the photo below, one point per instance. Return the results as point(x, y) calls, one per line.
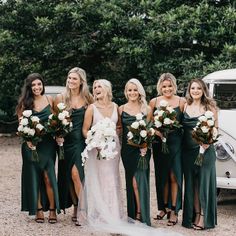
point(15, 222)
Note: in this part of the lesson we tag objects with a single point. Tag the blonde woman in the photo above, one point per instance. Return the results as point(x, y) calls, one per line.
point(168, 171)
point(70, 170)
point(200, 182)
point(137, 181)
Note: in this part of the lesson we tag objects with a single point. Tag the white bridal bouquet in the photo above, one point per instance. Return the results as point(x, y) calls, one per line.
point(31, 130)
point(165, 121)
point(204, 132)
point(101, 137)
point(59, 125)
point(141, 134)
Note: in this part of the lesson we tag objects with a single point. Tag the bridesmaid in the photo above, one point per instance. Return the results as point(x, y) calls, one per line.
point(70, 170)
point(168, 172)
point(137, 181)
point(39, 191)
point(200, 182)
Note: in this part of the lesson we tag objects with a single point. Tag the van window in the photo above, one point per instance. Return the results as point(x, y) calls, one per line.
point(225, 95)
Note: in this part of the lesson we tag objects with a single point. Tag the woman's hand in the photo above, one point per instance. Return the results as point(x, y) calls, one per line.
point(60, 141)
point(143, 151)
point(205, 146)
point(159, 134)
point(30, 145)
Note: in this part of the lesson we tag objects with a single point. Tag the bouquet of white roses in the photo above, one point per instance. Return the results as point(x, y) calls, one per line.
point(141, 134)
point(31, 130)
point(165, 121)
point(204, 132)
point(59, 125)
point(101, 137)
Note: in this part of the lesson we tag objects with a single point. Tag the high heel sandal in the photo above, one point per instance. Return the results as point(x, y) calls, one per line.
point(39, 219)
point(52, 220)
point(199, 227)
point(171, 222)
point(74, 217)
point(167, 213)
point(138, 216)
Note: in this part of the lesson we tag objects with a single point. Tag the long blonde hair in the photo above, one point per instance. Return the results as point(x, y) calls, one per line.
point(142, 94)
point(84, 89)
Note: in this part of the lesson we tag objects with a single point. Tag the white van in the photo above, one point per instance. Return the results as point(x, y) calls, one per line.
point(222, 87)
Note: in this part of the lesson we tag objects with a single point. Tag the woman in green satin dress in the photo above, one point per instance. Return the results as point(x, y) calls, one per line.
point(168, 168)
point(137, 180)
point(38, 179)
point(70, 170)
point(200, 182)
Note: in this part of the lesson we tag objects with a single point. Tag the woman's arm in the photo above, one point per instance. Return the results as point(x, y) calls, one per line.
point(88, 119)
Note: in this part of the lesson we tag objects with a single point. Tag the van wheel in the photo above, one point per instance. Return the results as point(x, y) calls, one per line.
point(218, 192)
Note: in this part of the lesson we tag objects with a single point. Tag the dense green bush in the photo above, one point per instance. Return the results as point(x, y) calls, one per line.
point(114, 39)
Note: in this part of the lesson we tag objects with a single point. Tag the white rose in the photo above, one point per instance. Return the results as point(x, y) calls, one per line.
point(204, 129)
point(61, 116)
point(24, 121)
point(167, 121)
point(65, 122)
point(202, 118)
point(210, 123)
point(130, 135)
point(157, 124)
point(135, 125)
point(26, 130)
point(20, 128)
point(215, 133)
point(50, 116)
point(35, 119)
point(109, 132)
point(139, 116)
point(39, 127)
point(160, 113)
point(61, 106)
point(209, 114)
point(163, 103)
point(27, 113)
point(31, 132)
point(66, 113)
point(170, 109)
point(143, 133)
point(142, 122)
point(152, 131)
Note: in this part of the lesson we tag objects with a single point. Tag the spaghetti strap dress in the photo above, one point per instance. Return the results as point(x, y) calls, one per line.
point(32, 177)
point(74, 145)
point(204, 177)
point(164, 163)
point(130, 156)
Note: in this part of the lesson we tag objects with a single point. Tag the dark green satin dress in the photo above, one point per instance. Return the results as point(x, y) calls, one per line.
point(32, 178)
point(130, 156)
point(164, 163)
point(204, 177)
point(73, 146)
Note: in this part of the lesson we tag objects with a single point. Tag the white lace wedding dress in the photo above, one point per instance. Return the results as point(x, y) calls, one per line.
point(100, 205)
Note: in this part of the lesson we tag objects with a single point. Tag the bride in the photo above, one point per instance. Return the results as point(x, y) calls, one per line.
point(100, 205)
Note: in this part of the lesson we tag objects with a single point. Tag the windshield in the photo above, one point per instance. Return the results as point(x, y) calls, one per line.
point(225, 95)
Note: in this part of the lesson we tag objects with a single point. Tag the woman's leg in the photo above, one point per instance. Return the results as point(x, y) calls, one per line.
point(39, 215)
point(165, 211)
point(52, 211)
point(137, 199)
point(174, 191)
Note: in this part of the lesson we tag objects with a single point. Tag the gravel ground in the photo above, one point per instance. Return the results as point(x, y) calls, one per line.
point(15, 222)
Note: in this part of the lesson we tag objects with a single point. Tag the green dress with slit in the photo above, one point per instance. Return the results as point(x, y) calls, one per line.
point(204, 177)
point(164, 163)
point(130, 156)
point(32, 177)
point(73, 146)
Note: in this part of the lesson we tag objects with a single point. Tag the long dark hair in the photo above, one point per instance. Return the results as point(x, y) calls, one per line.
point(206, 100)
point(26, 100)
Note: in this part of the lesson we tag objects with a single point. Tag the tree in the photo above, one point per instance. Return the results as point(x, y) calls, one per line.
point(115, 40)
